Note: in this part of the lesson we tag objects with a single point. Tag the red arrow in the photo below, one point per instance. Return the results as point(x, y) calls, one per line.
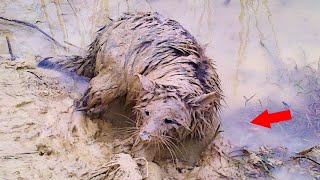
point(265, 119)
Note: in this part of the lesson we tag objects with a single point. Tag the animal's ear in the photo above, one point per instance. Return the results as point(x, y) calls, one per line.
point(145, 83)
point(204, 100)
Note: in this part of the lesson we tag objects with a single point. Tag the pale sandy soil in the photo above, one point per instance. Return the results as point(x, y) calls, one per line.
point(35, 117)
point(37, 141)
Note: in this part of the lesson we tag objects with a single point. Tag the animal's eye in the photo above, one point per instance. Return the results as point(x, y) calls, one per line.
point(170, 121)
point(146, 112)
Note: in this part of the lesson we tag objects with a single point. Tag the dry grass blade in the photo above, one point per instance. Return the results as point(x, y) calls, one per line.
point(147, 165)
point(10, 49)
point(25, 23)
point(308, 158)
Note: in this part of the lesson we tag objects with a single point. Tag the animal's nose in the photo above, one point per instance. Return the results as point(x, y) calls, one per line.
point(145, 136)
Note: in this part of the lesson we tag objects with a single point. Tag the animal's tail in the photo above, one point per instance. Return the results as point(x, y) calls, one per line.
point(82, 66)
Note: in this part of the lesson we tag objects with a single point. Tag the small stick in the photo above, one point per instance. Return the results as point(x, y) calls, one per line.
point(247, 100)
point(266, 48)
point(305, 157)
point(10, 49)
point(260, 104)
point(25, 23)
point(34, 74)
point(70, 44)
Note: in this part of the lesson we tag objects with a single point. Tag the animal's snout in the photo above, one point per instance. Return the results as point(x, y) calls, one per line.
point(145, 136)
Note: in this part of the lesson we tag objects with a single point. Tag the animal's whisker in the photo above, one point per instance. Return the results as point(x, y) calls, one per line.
point(133, 134)
point(158, 146)
point(160, 143)
point(173, 152)
point(184, 148)
point(121, 128)
point(172, 147)
point(170, 141)
point(137, 140)
point(169, 147)
point(131, 121)
point(165, 144)
point(126, 131)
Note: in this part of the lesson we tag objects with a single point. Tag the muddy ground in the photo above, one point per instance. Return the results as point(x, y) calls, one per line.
point(41, 139)
point(37, 141)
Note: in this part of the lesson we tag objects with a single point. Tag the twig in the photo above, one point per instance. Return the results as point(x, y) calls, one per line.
point(247, 100)
point(286, 105)
point(22, 153)
point(260, 104)
point(38, 77)
point(10, 49)
point(74, 11)
point(70, 44)
point(304, 157)
point(148, 4)
point(265, 47)
point(25, 23)
point(34, 74)
point(26, 153)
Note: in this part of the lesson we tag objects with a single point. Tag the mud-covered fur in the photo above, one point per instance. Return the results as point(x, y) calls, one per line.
point(161, 70)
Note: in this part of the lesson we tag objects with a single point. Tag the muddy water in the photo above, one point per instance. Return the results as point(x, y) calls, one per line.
point(266, 52)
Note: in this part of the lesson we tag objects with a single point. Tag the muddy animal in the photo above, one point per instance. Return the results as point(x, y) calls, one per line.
point(159, 67)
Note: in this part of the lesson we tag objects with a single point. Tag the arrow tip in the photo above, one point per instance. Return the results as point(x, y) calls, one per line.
point(262, 120)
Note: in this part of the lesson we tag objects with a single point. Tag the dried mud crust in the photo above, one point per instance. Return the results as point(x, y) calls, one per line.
point(35, 121)
point(39, 139)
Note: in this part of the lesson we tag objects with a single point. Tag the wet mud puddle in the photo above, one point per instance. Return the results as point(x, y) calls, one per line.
point(275, 69)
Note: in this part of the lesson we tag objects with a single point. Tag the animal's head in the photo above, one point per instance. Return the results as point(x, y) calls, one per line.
point(163, 114)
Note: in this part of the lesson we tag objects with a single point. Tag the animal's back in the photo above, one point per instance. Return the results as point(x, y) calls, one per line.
point(150, 45)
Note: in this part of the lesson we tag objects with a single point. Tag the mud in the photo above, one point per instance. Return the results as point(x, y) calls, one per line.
point(39, 140)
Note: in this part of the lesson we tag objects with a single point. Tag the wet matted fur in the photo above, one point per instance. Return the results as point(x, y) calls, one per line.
point(160, 69)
